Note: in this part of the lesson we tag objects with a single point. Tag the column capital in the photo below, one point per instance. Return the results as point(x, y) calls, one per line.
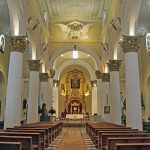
point(98, 74)
point(105, 77)
point(114, 65)
point(52, 73)
point(130, 43)
point(18, 43)
point(94, 83)
point(44, 77)
point(34, 65)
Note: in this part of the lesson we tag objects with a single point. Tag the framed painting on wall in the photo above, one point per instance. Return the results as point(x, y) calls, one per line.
point(75, 83)
point(106, 109)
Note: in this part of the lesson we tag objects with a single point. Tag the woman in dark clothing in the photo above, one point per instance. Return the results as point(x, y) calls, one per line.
point(44, 116)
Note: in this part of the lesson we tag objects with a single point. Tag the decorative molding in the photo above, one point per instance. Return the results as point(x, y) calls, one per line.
point(34, 65)
point(114, 65)
point(116, 23)
point(130, 43)
point(98, 74)
point(52, 73)
point(17, 43)
point(75, 30)
point(105, 77)
point(44, 77)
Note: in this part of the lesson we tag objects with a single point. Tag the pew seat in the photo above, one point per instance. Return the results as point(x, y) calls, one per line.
point(111, 142)
point(10, 146)
point(132, 146)
point(25, 141)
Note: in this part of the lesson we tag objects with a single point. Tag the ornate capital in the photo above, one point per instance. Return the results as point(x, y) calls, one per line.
point(130, 43)
point(44, 77)
point(18, 43)
point(98, 74)
point(105, 77)
point(34, 65)
point(94, 83)
point(114, 65)
point(56, 83)
point(52, 73)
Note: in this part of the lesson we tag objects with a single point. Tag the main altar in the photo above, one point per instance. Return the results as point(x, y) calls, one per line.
point(75, 90)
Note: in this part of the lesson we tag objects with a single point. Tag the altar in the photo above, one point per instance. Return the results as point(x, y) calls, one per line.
point(74, 116)
point(74, 119)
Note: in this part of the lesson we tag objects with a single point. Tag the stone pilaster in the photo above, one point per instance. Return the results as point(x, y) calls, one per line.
point(34, 67)
point(99, 92)
point(13, 95)
point(130, 46)
point(105, 96)
point(115, 100)
point(44, 88)
point(51, 95)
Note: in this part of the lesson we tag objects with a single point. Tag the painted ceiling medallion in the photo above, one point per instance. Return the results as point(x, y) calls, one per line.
point(75, 30)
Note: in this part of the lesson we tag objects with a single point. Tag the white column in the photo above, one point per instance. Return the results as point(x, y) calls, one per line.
point(56, 104)
point(94, 97)
point(105, 97)
point(34, 66)
point(115, 99)
point(50, 89)
point(13, 95)
point(99, 92)
point(133, 99)
point(44, 89)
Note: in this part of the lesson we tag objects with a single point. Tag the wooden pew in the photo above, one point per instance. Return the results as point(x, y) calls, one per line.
point(26, 142)
point(132, 146)
point(35, 137)
point(96, 130)
point(105, 137)
point(49, 130)
point(41, 133)
point(10, 146)
point(111, 142)
point(102, 140)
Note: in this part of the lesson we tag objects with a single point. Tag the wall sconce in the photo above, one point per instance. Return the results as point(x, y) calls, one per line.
point(56, 83)
point(94, 83)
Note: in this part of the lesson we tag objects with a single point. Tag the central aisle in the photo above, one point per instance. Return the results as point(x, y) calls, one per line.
point(73, 140)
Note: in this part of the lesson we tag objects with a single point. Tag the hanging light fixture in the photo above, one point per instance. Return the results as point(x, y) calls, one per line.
point(75, 52)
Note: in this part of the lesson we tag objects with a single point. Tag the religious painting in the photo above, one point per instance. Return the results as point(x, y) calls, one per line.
point(75, 83)
point(106, 109)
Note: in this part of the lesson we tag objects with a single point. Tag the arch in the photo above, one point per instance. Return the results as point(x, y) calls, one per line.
point(2, 95)
point(147, 99)
point(92, 53)
point(79, 62)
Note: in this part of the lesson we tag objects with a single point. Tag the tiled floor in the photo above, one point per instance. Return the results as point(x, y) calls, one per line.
point(72, 138)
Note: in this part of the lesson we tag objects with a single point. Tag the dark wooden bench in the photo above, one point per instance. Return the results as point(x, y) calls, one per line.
point(132, 146)
point(35, 137)
point(119, 129)
point(26, 142)
point(10, 146)
point(41, 133)
point(105, 137)
point(111, 142)
point(102, 140)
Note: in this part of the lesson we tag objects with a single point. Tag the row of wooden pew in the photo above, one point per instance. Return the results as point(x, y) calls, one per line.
point(109, 136)
point(36, 136)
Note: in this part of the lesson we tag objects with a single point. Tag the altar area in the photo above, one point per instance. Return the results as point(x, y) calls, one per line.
point(74, 116)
